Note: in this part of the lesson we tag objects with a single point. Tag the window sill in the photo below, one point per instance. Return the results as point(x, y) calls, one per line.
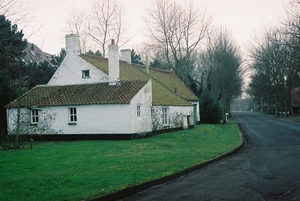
point(72, 123)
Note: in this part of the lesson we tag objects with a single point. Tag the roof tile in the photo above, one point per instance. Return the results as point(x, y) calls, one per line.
point(100, 93)
point(164, 82)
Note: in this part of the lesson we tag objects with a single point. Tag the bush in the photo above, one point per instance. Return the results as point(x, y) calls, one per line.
point(210, 110)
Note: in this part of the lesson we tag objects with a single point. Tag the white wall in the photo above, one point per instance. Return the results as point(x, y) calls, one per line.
point(144, 99)
point(98, 119)
point(175, 116)
point(91, 119)
point(47, 117)
point(70, 72)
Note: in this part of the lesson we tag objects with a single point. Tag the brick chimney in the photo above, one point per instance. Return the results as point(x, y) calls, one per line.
point(72, 44)
point(126, 55)
point(113, 64)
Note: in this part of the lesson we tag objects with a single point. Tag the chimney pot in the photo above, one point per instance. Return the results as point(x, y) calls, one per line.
point(112, 41)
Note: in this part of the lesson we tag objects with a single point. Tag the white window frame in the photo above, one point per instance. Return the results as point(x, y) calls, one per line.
point(72, 113)
point(34, 116)
point(86, 74)
point(138, 110)
point(165, 116)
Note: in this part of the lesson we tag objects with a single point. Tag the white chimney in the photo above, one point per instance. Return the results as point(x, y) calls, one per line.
point(126, 55)
point(113, 63)
point(72, 44)
point(147, 65)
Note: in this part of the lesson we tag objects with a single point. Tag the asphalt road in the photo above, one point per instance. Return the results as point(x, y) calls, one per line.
point(266, 168)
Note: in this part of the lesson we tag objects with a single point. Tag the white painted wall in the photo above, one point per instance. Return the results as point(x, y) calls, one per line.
point(144, 99)
point(97, 119)
point(70, 72)
point(91, 119)
point(47, 117)
point(175, 115)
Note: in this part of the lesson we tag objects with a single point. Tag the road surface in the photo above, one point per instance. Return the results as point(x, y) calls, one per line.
point(266, 168)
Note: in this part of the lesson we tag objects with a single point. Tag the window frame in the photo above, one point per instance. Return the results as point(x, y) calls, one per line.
point(34, 116)
point(165, 116)
point(84, 74)
point(72, 114)
point(138, 110)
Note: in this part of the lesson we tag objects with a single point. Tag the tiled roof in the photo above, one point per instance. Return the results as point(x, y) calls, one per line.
point(172, 82)
point(167, 88)
point(100, 93)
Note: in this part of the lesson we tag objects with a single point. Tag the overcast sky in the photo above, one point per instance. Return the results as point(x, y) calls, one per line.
point(242, 17)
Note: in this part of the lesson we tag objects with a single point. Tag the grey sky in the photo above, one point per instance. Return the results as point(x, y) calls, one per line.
point(242, 17)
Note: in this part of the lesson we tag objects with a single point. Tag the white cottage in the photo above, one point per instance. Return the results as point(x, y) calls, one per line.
point(97, 98)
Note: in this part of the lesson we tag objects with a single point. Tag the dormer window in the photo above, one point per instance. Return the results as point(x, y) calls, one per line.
point(85, 74)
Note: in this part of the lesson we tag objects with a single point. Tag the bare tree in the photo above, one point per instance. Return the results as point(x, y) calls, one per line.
point(177, 30)
point(76, 23)
point(222, 69)
point(19, 12)
point(275, 63)
point(106, 22)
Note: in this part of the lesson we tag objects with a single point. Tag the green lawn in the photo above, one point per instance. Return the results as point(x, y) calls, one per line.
point(85, 169)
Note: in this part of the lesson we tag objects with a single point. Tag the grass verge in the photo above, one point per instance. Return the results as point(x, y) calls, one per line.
point(85, 169)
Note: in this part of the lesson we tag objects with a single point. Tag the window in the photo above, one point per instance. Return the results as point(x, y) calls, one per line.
point(72, 115)
point(85, 74)
point(34, 116)
point(138, 110)
point(165, 119)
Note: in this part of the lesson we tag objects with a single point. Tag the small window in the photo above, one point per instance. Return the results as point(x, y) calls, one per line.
point(72, 115)
point(165, 118)
point(34, 116)
point(138, 110)
point(85, 74)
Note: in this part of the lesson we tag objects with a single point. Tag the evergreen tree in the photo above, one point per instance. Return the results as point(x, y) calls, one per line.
point(41, 73)
point(135, 58)
point(12, 46)
point(98, 53)
point(211, 111)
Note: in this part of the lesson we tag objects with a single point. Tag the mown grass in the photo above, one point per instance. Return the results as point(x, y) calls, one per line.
point(85, 169)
